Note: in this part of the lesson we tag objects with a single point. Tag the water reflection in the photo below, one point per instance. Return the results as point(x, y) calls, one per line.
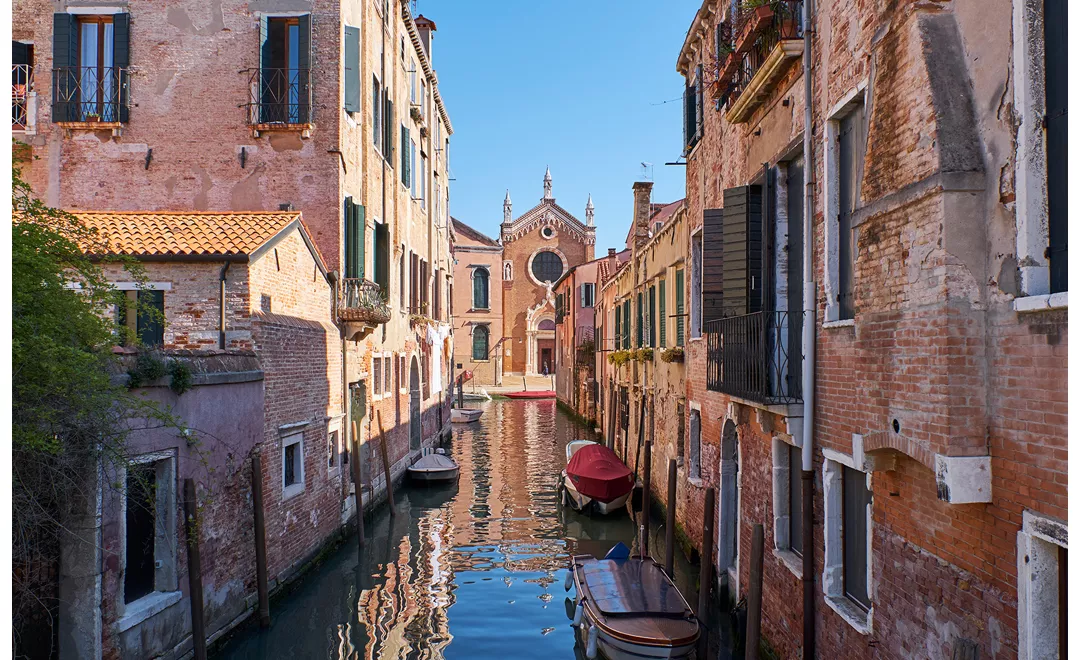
point(473, 570)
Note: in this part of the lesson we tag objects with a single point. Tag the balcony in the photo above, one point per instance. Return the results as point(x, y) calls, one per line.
point(279, 100)
point(767, 37)
point(360, 307)
point(90, 97)
point(585, 353)
point(756, 357)
point(23, 98)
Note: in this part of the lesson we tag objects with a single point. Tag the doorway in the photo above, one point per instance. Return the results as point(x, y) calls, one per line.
point(546, 365)
point(728, 543)
point(415, 430)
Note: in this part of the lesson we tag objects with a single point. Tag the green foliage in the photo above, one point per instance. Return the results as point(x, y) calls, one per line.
point(148, 368)
point(672, 354)
point(643, 355)
point(180, 377)
point(619, 358)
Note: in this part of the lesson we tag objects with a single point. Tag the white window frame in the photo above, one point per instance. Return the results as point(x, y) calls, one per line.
point(339, 446)
point(166, 590)
point(697, 285)
point(1038, 619)
point(831, 151)
point(691, 467)
point(781, 492)
point(832, 578)
point(287, 440)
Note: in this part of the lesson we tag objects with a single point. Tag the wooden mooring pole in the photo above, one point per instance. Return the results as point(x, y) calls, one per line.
point(705, 590)
point(753, 600)
point(646, 498)
point(669, 540)
point(358, 487)
point(260, 540)
point(386, 464)
point(195, 586)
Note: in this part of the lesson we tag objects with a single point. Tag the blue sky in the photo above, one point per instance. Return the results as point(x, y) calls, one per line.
point(577, 86)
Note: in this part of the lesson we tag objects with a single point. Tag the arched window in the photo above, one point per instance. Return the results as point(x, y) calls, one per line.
point(480, 288)
point(480, 342)
point(546, 324)
point(547, 266)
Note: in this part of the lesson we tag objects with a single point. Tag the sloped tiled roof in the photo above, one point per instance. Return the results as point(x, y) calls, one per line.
point(184, 233)
point(478, 236)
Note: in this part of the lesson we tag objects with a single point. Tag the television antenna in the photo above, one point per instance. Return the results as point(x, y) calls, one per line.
point(646, 171)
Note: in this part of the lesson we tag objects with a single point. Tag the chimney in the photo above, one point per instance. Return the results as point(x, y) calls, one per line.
point(611, 252)
point(424, 27)
point(642, 212)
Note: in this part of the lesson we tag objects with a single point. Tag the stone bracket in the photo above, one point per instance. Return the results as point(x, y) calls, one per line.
point(963, 479)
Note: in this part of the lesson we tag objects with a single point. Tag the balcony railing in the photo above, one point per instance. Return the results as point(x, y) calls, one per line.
point(585, 353)
point(756, 357)
point(762, 35)
point(90, 94)
point(361, 301)
point(279, 97)
point(22, 83)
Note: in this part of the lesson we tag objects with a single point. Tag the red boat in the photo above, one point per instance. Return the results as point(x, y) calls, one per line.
point(595, 478)
point(536, 394)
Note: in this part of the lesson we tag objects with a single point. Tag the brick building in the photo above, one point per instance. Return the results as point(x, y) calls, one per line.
point(478, 304)
point(934, 407)
point(575, 335)
point(330, 109)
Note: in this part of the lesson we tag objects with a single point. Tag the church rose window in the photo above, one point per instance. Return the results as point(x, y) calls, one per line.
point(547, 266)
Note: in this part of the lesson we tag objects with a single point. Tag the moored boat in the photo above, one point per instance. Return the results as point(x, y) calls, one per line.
point(465, 415)
point(595, 479)
point(434, 468)
point(535, 394)
point(630, 608)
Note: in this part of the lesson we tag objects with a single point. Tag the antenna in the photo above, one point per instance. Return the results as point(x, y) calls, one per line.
point(646, 171)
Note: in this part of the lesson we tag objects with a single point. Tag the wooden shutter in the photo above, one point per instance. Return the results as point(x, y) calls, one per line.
point(695, 443)
point(618, 327)
point(741, 263)
point(712, 265)
point(388, 128)
point(65, 55)
point(376, 112)
point(640, 320)
point(405, 174)
point(850, 162)
point(662, 318)
point(352, 69)
point(304, 73)
point(381, 261)
point(626, 323)
point(354, 239)
point(680, 307)
point(652, 317)
point(1055, 33)
point(857, 499)
point(121, 60)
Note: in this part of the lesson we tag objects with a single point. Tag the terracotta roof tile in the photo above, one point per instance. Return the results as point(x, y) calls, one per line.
point(167, 233)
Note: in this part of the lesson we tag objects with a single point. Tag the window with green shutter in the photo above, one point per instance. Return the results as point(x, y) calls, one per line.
point(618, 327)
point(405, 174)
point(680, 308)
point(352, 69)
point(626, 323)
point(640, 320)
point(652, 317)
point(662, 319)
point(354, 239)
point(376, 113)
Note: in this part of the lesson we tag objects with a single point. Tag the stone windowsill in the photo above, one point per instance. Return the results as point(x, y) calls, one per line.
point(1042, 303)
point(843, 323)
point(696, 482)
point(791, 560)
point(280, 127)
point(479, 310)
point(146, 607)
point(292, 491)
point(857, 617)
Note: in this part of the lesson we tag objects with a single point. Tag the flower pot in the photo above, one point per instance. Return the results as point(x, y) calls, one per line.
point(755, 23)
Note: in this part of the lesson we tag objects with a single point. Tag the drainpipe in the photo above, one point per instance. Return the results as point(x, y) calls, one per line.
point(221, 322)
point(808, 328)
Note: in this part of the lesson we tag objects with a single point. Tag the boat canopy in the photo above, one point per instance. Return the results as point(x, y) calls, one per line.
point(632, 587)
point(598, 473)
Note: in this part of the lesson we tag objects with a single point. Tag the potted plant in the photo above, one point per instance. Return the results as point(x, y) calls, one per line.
point(755, 16)
point(92, 117)
point(674, 354)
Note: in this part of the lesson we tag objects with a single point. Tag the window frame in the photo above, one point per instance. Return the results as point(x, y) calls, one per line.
point(478, 330)
point(787, 481)
point(289, 491)
point(697, 247)
point(832, 581)
point(694, 447)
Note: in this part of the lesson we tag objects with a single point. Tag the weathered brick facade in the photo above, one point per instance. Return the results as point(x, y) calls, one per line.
point(941, 367)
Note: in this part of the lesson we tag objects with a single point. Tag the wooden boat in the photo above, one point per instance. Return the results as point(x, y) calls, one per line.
point(465, 415)
point(630, 608)
point(536, 394)
point(435, 468)
point(598, 481)
point(482, 395)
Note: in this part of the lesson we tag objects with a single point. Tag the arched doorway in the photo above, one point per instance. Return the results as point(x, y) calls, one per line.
point(415, 430)
point(728, 541)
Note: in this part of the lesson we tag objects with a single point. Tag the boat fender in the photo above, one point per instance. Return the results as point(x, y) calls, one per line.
point(569, 580)
point(579, 612)
point(590, 646)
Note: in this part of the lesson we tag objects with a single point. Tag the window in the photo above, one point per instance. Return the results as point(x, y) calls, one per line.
point(149, 526)
point(794, 502)
point(691, 112)
point(856, 510)
point(480, 343)
point(662, 319)
point(423, 181)
point(1056, 41)
point(652, 317)
point(388, 127)
point(331, 449)
point(376, 374)
point(787, 503)
point(292, 465)
point(845, 135)
point(436, 309)
point(547, 266)
point(143, 316)
point(480, 288)
point(680, 436)
point(406, 155)
point(847, 545)
point(588, 294)
point(696, 256)
point(376, 113)
point(414, 283)
point(90, 60)
point(1042, 585)
point(354, 239)
point(351, 62)
point(387, 374)
point(381, 258)
point(626, 323)
point(284, 66)
point(413, 179)
point(547, 232)
point(412, 84)
point(695, 444)
point(680, 307)
point(22, 82)
point(401, 278)
point(640, 321)
point(424, 285)
point(618, 327)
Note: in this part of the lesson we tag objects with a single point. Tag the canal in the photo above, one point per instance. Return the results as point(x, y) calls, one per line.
point(474, 570)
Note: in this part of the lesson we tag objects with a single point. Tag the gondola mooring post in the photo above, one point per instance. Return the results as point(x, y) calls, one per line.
point(669, 556)
point(705, 590)
point(646, 498)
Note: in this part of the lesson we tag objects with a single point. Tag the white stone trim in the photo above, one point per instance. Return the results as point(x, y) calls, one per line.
point(963, 479)
point(165, 542)
point(288, 492)
point(843, 323)
point(146, 607)
point(832, 577)
point(781, 493)
point(1042, 303)
point(529, 263)
point(1038, 619)
point(94, 10)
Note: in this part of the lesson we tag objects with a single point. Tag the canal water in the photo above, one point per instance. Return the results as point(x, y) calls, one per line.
point(473, 570)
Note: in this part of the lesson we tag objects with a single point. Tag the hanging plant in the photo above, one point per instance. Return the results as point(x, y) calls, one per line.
point(619, 358)
point(643, 355)
point(672, 355)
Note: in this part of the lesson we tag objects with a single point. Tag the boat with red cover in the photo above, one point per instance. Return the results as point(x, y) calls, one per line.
point(535, 394)
point(595, 479)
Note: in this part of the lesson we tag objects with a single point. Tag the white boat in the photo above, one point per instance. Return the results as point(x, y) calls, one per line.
point(435, 468)
point(465, 415)
point(482, 395)
point(580, 502)
point(629, 608)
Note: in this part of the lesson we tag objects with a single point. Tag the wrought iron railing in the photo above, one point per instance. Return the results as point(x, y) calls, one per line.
point(585, 353)
point(361, 300)
point(757, 29)
point(22, 83)
point(757, 356)
point(279, 96)
point(90, 94)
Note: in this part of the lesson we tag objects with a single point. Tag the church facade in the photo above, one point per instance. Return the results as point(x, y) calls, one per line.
point(537, 247)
